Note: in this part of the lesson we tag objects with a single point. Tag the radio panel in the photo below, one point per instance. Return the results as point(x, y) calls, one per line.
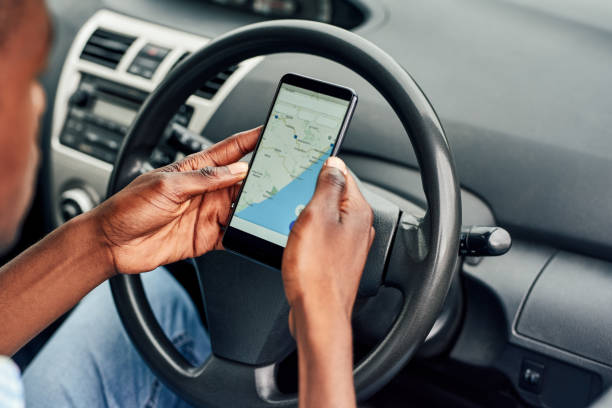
point(100, 113)
point(114, 63)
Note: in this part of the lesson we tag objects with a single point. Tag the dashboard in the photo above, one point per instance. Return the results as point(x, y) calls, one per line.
point(114, 63)
point(530, 140)
point(338, 12)
point(318, 10)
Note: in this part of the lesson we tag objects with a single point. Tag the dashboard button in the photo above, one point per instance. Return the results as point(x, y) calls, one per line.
point(181, 120)
point(135, 69)
point(68, 139)
point(92, 137)
point(86, 148)
point(146, 62)
point(102, 139)
point(155, 51)
point(112, 126)
point(195, 146)
point(80, 98)
point(160, 158)
point(75, 124)
point(110, 144)
point(97, 152)
point(531, 376)
point(78, 113)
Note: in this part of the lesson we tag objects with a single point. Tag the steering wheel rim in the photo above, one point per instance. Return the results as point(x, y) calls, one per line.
point(426, 248)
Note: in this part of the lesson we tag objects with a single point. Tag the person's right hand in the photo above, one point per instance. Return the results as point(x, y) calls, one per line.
point(327, 247)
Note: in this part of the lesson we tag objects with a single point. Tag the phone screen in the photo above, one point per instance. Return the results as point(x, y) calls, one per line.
point(300, 135)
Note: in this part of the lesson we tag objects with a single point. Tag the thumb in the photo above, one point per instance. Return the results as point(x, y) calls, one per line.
point(191, 183)
point(331, 186)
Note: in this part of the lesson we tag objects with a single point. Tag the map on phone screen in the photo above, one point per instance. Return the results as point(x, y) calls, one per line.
point(299, 136)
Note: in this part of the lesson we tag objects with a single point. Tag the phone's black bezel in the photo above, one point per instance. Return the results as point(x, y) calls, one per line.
point(259, 249)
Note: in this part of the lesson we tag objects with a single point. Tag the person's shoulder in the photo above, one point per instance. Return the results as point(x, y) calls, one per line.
point(11, 387)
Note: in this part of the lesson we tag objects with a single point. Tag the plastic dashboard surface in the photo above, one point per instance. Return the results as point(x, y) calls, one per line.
point(529, 134)
point(569, 307)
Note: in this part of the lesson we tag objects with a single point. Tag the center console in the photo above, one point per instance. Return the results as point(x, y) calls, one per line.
point(100, 112)
point(114, 63)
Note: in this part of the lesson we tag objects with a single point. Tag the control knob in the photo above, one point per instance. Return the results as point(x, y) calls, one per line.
point(484, 241)
point(80, 98)
point(75, 201)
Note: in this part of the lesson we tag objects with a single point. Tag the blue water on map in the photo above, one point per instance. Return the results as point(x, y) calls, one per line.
point(278, 212)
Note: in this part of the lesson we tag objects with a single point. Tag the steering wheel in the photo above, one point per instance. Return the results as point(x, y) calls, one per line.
point(245, 304)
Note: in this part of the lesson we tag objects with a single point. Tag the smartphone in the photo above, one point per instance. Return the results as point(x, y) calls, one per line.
point(305, 125)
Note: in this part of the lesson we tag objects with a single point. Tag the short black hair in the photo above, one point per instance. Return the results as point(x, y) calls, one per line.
point(11, 15)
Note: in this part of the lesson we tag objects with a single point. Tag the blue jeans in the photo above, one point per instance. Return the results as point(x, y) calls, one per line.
point(91, 362)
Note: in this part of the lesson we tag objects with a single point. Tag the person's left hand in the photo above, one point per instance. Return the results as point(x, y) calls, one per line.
point(175, 212)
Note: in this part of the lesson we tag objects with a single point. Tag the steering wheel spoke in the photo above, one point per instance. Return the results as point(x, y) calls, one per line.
point(246, 309)
point(242, 384)
point(386, 215)
point(409, 253)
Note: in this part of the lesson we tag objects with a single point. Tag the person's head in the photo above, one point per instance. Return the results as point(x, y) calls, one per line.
point(24, 43)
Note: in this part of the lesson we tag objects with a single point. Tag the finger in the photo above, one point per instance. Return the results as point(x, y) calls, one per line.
point(232, 193)
point(330, 189)
point(235, 191)
point(355, 211)
point(191, 183)
point(353, 193)
point(234, 147)
point(371, 237)
point(353, 198)
point(225, 152)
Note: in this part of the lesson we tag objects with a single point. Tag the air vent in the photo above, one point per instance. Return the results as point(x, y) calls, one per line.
point(211, 86)
point(106, 48)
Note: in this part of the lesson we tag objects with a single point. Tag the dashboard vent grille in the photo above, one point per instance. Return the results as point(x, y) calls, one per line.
point(106, 47)
point(211, 86)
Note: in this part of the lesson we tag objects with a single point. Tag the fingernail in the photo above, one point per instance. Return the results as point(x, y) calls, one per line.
point(238, 168)
point(337, 163)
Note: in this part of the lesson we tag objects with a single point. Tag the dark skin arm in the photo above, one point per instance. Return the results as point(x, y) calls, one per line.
point(170, 214)
point(322, 265)
point(48, 279)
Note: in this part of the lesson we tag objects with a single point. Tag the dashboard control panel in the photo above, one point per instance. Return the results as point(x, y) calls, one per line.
point(100, 113)
point(113, 65)
point(148, 59)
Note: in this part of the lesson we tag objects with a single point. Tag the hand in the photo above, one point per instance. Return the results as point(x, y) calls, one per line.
point(175, 212)
point(327, 247)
